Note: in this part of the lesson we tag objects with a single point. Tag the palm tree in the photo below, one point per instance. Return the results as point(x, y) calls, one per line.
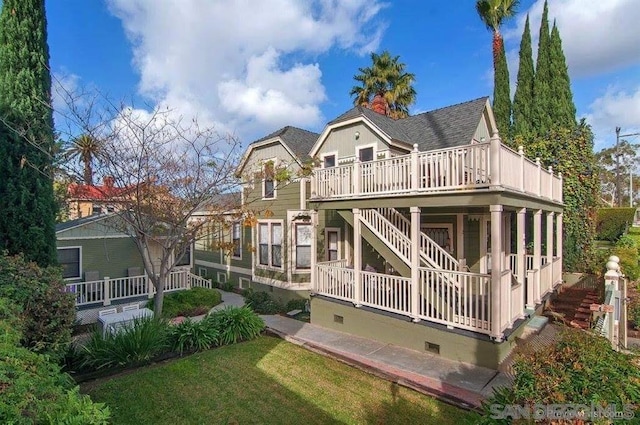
point(85, 149)
point(386, 77)
point(493, 13)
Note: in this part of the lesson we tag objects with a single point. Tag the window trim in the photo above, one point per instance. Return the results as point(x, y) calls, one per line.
point(327, 154)
point(270, 224)
point(242, 285)
point(224, 274)
point(79, 248)
point(190, 264)
point(328, 230)
point(373, 147)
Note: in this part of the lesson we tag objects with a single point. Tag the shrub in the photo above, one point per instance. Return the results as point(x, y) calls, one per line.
point(580, 368)
point(297, 304)
point(626, 241)
point(190, 335)
point(47, 312)
point(134, 344)
point(227, 286)
point(235, 324)
point(261, 302)
point(33, 388)
point(634, 312)
point(628, 261)
point(611, 223)
point(191, 302)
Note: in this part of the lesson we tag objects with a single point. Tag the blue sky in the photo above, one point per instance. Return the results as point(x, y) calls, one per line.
point(249, 67)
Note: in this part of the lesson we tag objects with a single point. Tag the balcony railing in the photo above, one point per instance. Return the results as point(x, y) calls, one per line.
point(471, 167)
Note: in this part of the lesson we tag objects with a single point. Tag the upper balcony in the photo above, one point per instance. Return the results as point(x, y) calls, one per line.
point(480, 166)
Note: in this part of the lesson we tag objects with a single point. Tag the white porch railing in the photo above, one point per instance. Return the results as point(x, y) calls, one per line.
point(390, 293)
point(513, 262)
point(465, 167)
point(335, 280)
point(107, 290)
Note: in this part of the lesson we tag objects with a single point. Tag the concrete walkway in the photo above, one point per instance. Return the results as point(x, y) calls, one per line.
point(458, 383)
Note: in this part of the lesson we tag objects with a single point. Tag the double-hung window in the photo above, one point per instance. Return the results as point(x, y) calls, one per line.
point(268, 183)
point(303, 246)
point(236, 232)
point(69, 259)
point(332, 244)
point(270, 244)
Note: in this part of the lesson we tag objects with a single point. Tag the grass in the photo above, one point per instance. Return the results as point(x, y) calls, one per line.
point(265, 381)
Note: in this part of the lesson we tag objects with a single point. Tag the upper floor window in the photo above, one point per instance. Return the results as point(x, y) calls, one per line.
point(268, 185)
point(365, 154)
point(185, 259)
point(69, 259)
point(329, 161)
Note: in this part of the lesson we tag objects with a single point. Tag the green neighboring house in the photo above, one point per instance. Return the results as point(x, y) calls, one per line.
point(425, 232)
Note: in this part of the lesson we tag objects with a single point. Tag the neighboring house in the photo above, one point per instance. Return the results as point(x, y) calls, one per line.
point(87, 200)
point(412, 231)
point(103, 266)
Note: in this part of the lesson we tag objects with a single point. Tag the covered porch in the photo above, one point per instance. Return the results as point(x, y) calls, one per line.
point(506, 284)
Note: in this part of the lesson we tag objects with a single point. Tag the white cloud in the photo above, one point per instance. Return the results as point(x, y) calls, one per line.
point(597, 36)
point(616, 108)
point(243, 64)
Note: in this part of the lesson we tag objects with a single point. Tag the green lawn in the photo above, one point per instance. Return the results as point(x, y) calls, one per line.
point(265, 381)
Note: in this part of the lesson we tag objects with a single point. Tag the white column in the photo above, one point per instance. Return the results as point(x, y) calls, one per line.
point(460, 236)
point(357, 178)
point(303, 194)
point(314, 250)
point(522, 162)
point(559, 239)
point(537, 248)
point(521, 255)
point(415, 169)
point(549, 252)
point(415, 262)
point(538, 176)
point(494, 155)
point(496, 272)
point(357, 257)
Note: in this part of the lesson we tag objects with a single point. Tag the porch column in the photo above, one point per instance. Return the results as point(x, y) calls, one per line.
point(549, 252)
point(314, 250)
point(521, 255)
point(537, 248)
point(496, 272)
point(357, 257)
point(559, 240)
point(460, 236)
point(415, 262)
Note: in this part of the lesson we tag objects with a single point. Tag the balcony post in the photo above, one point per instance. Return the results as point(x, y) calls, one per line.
point(415, 263)
point(314, 250)
point(356, 176)
point(106, 298)
point(522, 162)
point(415, 169)
point(357, 257)
point(551, 182)
point(494, 159)
point(537, 248)
point(496, 273)
point(522, 256)
point(559, 240)
point(538, 177)
point(561, 186)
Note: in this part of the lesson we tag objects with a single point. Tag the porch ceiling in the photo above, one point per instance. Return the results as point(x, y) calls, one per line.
point(456, 200)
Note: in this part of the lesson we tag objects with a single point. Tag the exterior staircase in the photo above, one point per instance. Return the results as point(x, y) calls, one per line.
point(571, 307)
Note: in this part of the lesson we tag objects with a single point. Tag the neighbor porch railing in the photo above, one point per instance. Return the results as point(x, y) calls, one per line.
point(475, 166)
point(106, 290)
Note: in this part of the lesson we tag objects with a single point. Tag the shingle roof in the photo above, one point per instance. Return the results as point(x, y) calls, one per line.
point(445, 127)
point(78, 222)
point(298, 140)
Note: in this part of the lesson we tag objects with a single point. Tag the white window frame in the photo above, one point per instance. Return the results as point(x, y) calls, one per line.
point(79, 248)
point(224, 277)
point(294, 246)
point(202, 271)
point(374, 147)
point(264, 180)
point(244, 283)
point(239, 224)
point(328, 230)
point(270, 224)
point(326, 154)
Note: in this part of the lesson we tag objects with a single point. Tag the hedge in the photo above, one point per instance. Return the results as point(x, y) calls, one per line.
point(612, 223)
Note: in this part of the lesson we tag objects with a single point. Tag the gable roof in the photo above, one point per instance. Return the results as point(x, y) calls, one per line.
point(445, 127)
point(70, 224)
point(296, 140)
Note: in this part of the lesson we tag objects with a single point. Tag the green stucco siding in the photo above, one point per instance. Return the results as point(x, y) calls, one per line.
point(343, 141)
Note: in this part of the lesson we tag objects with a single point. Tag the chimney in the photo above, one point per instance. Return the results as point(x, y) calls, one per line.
point(379, 105)
point(108, 182)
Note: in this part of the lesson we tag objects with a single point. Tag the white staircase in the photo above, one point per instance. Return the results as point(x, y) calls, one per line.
point(392, 227)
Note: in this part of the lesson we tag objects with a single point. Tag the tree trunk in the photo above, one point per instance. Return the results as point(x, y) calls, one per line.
point(158, 298)
point(497, 47)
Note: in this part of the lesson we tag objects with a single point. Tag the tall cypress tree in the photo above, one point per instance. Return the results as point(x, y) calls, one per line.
point(541, 83)
point(27, 204)
point(563, 111)
point(523, 99)
point(502, 95)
